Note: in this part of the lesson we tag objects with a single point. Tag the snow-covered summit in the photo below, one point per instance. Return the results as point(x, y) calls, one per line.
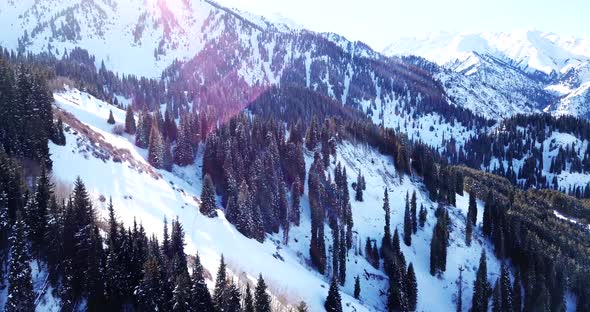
point(531, 50)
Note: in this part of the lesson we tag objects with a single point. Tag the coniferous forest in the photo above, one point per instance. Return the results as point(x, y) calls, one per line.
point(270, 168)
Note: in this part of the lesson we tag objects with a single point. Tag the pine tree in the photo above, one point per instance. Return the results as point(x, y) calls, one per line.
point(481, 287)
point(20, 290)
point(423, 215)
point(208, 205)
point(111, 120)
point(357, 287)
point(413, 209)
point(248, 300)
point(407, 224)
point(411, 288)
point(333, 301)
point(221, 288)
point(472, 210)
point(200, 296)
point(262, 299)
point(130, 126)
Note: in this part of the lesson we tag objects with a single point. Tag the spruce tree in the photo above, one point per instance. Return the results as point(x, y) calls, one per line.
point(200, 296)
point(181, 295)
point(39, 213)
point(397, 299)
point(411, 288)
point(468, 230)
point(414, 209)
point(357, 287)
point(168, 160)
point(516, 294)
point(386, 241)
point(208, 198)
point(423, 215)
point(335, 251)
point(248, 300)
point(481, 287)
point(177, 248)
point(359, 188)
point(3, 231)
point(262, 301)
point(438, 245)
point(505, 289)
point(342, 258)
point(301, 307)
point(233, 301)
point(111, 120)
point(407, 224)
point(130, 126)
point(183, 152)
point(59, 138)
point(460, 290)
point(221, 288)
point(496, 298)
point(156, 148)
point(333, 301)
point(472, 210)
point(20, 290)
point(148, 292)
point(487, 215)
point(295, 202)
point(244, 218)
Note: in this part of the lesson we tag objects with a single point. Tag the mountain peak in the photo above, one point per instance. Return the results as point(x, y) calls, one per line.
point(531, 50)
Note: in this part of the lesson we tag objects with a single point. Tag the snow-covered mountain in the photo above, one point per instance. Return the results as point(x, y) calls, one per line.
point(113, 166)
point(501, 74)
point(228, 58)
point(530, 50)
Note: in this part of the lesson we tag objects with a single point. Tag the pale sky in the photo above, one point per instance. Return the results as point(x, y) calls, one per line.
point(379, 22)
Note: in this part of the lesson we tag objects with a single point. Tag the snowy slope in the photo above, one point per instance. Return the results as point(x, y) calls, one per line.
point(531, 50)
point(576, 103)
point(140, 37)
point(551, 145)
point(141, 192)
point(502, 74)
point(492, 87)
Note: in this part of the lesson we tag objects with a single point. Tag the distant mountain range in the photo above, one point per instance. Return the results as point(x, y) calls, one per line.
point(540, 71)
